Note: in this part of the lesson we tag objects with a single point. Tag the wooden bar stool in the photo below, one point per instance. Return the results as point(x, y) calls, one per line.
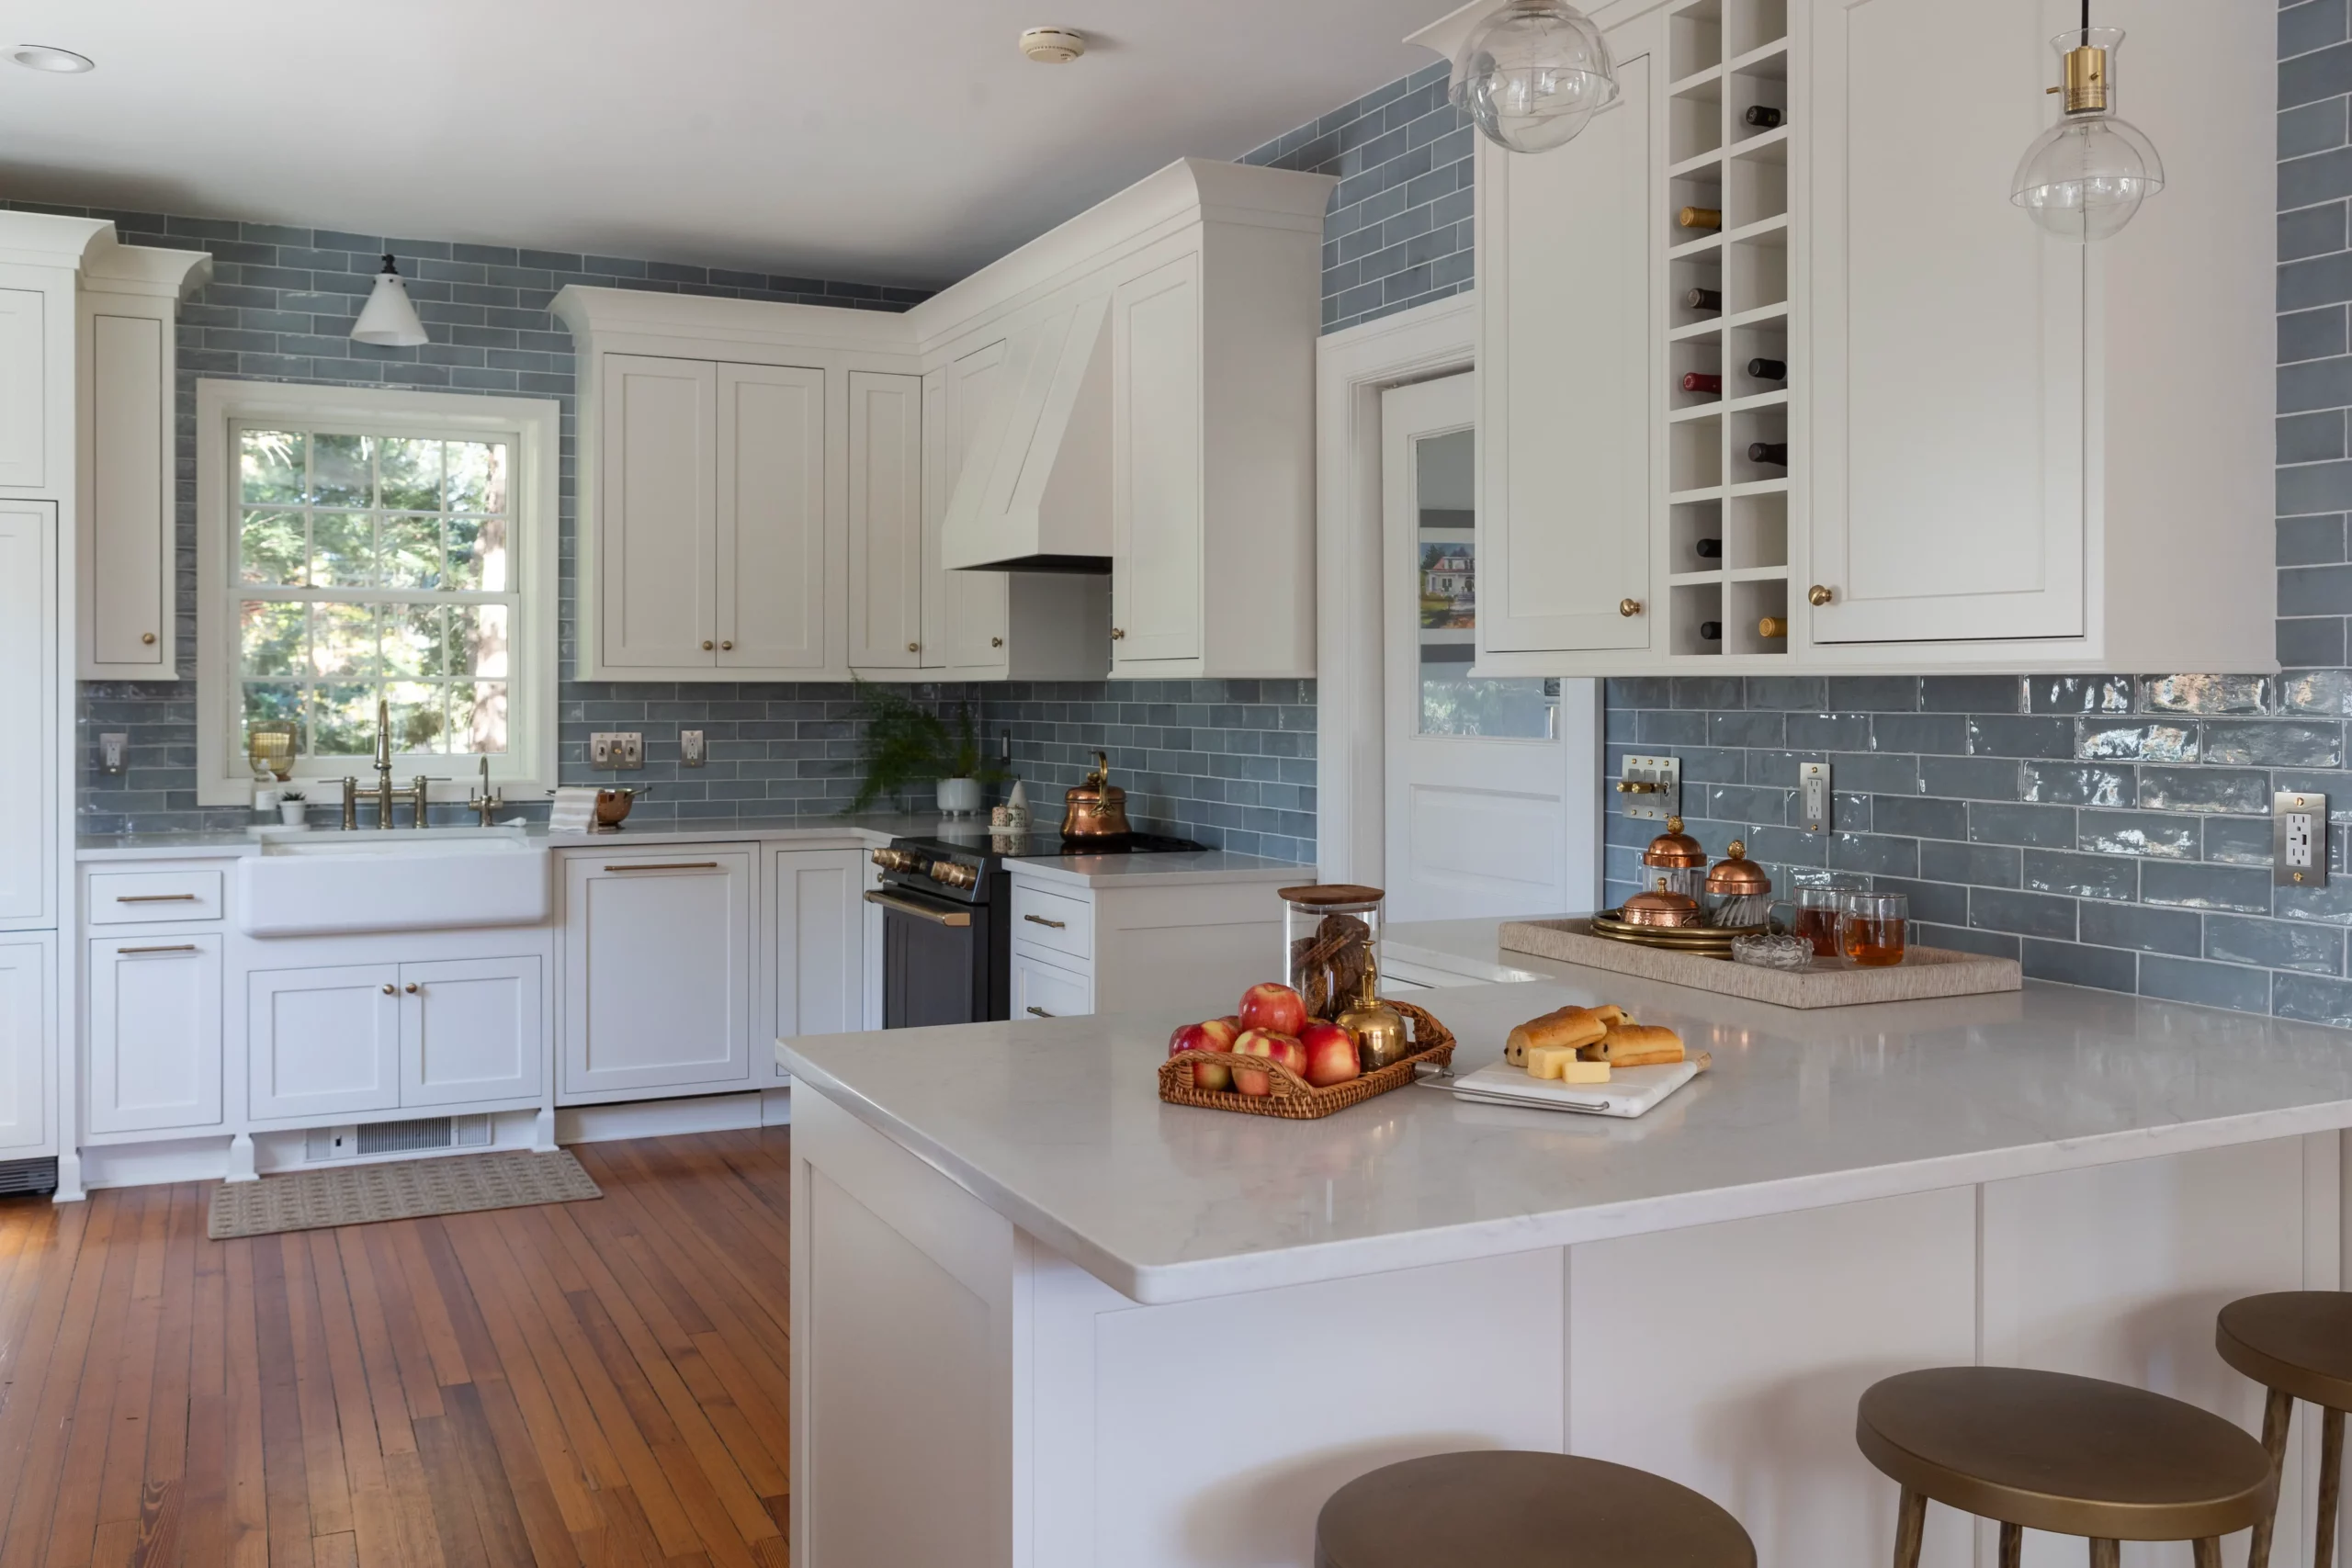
point(2074, 1456)
point(1503, 1509)
point(2297, 1344)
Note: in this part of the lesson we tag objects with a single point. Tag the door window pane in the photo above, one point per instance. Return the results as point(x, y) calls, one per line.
point(1453, 702)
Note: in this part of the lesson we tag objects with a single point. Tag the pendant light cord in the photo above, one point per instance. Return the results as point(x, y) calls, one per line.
point(2086, 18)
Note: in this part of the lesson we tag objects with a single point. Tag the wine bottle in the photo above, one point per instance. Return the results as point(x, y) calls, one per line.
point(1703, 299)
point(1708, 549)
point(1763, 117)
point(1773, 452)
point(1701, 381)
point(1711, 631)
point(1772, 626)
point(1701, 218)
point(1768, 370)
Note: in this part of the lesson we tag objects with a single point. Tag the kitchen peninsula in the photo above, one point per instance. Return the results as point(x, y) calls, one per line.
point(1042, 1319)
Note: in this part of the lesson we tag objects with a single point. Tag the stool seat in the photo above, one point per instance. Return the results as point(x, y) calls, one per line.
point(1505, 1508)
point(2299, 1342)
point(2073, 1455)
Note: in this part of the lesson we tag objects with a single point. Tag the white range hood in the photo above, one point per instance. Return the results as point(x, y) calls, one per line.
point(1034, 493)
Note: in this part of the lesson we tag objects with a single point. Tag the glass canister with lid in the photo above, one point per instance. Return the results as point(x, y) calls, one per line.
point(1331, 943)
point(1675, 860)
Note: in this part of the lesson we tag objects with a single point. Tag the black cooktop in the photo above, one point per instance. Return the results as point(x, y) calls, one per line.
point(980, 838)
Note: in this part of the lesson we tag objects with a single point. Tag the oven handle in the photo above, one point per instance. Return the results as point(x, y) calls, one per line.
point(921, 911)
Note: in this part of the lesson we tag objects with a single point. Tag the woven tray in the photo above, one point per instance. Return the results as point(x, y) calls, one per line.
point(1293, 1097)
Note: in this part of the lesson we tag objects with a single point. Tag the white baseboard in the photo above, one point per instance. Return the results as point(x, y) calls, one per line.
point(666, 1118)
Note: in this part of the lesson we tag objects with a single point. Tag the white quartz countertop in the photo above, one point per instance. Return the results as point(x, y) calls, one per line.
point(1170, 870)
point(1056, 1125)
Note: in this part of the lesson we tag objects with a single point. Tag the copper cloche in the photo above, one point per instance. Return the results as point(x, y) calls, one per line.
point(1674, 850)
point(1660, 907)
point(1737, 877)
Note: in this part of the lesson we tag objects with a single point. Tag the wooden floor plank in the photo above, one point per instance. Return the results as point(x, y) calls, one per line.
point(44, 1436)
point(81, 1470)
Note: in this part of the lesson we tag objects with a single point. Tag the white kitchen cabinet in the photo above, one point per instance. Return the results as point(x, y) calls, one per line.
point(470, 1030)
point(885, 521)
point(773, 545)
point(657, 530)
point(29, 770)
point(1156, 502)
point(154, 1028)
point(23, 389)
point(815, 939)
point(1041, 989)
point(322, 1042)
point(964, 613)
point(657, 962)
point(1135, 943)
point(28, 1027)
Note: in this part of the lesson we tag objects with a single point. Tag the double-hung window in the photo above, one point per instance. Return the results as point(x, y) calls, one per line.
point(366, 551)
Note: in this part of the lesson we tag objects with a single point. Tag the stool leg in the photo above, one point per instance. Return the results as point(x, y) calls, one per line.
point(2012, 1544)
point(2208, 1551)
point(2278, 1412)
point(1910, 1528)
point(2331, 1484)
point(2106, 1554)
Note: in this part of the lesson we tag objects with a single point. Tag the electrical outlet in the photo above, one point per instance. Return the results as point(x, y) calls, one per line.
point(2299, 839)
point(343, 1141)
point(1813, 795)
point(114, 753)
point(691, 753)
point(616, 749)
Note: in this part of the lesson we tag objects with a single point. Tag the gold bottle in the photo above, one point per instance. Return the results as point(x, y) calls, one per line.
point(1379, 1028)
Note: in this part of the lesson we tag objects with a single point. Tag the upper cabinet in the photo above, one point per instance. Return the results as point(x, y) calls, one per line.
point(1881, 421)
point(1095, 455)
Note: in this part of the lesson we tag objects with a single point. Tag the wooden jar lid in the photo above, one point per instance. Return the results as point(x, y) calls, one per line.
point(1318, 895)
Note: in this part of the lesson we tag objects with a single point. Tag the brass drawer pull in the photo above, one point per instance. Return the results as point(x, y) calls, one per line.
point(920, 912)
point(1057, 925)
point(154, 898)
point(174, 947)
point(1041, 1012)
point(668, 865)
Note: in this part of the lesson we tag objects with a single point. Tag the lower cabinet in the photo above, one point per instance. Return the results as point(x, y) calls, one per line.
point(322, 1042)
point(154, 1032)
point(1042, 990)
point(816, 945)
point(24, 1025)
point(470, 1030)
point(656, 963)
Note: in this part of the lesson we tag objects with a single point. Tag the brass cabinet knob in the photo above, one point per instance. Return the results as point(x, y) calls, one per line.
point(726, 647)
point(1629, 607)
point(1817, 595)
point(996, 642)
point(147, 638)
point(412, 987)
point(1117, 633)
point(914, 647)
point(387, 990)
point(705, 645)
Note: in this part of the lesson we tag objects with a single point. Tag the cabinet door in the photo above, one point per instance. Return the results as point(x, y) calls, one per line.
point(27, 685)
point(1946, 331)
point(885, 521)
point(964, 613)
point(1156, 455)
point(23, 389)
point(656, 533)
point(155, 1033)
point(816, 940)
point(657, 964)
point(772, 587)
point(128, 540)
point(1566, 387)
point(1044, 990)
point(323, 1041)
point(470, 1029)
point(26, 1024)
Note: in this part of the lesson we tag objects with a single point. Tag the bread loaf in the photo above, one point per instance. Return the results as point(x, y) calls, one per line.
point(1572, 1027)
point(1636, 1045)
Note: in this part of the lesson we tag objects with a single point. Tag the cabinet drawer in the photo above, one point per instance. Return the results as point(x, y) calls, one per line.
point(1040, 990)
point(1052, 921)
point(142, 897)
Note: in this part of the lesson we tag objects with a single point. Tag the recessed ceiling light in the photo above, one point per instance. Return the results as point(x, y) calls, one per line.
point(1052, 46)
point(41, 57)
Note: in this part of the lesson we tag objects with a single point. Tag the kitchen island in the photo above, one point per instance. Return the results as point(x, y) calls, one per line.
point(1042, 1319)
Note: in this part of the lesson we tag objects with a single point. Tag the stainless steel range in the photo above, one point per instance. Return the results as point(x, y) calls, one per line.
point(946, 918)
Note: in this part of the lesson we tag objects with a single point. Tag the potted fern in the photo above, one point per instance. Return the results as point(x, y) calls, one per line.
point(903, 745)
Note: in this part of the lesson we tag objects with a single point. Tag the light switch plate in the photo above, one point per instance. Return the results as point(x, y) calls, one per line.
point(691, 752)
point(2298, 839)
point(1652, 787)
point(616, 749)
point(1813, 796)
point(114, 752)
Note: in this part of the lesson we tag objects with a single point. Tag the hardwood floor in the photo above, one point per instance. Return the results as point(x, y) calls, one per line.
point(597, 1384)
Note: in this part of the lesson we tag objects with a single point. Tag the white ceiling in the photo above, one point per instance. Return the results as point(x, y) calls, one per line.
point(906, 142)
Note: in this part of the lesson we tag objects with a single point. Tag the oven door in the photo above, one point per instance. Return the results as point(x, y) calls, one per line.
point(937, 967)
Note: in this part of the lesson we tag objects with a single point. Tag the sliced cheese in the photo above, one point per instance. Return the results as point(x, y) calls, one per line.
point(1582, 1071)
point(1562, 1062)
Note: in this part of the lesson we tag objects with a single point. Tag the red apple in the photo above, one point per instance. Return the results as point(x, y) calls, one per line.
point(1331, 1054)
point(1213, 1035)
point(1276, 1008)
point(1281, 1048)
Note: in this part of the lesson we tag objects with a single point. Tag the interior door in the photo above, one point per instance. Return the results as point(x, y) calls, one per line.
point(885, 521)
point(28, 686)
point(656, 525)
point(772, 587)
point(1947, 332)
point(1568, 378)
point(1479, 768)
point(1155, 496)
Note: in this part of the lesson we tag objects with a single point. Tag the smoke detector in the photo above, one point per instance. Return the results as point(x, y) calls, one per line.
point(1052, 46)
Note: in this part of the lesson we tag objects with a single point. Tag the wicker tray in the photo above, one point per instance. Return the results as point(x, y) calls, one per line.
point(1293, 1097)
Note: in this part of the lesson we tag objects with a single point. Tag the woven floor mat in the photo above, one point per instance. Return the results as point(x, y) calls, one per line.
point(403, 1190)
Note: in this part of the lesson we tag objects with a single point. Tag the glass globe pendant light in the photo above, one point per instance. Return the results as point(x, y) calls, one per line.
point(2085, 177)
point(1533, 74)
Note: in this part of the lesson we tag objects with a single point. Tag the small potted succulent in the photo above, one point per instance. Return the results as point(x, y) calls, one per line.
point(292, 809)
point(904, 745)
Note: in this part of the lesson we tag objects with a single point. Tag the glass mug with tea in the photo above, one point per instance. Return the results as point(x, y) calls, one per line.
point(1817, 918)
point(1871, 927)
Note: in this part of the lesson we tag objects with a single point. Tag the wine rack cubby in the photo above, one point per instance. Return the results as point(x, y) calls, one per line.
point(1729, 375)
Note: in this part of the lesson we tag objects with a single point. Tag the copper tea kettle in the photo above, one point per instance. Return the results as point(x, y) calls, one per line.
point(1095, 807)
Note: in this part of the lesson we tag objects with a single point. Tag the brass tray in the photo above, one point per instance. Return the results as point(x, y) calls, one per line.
point(1713, 941)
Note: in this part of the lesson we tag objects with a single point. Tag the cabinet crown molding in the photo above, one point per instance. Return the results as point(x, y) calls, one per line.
point(45, 238)
point(117, 268)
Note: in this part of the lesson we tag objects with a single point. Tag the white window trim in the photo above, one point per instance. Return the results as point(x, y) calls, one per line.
point(529, 768)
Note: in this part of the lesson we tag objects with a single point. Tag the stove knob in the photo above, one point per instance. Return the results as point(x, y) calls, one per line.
point(894, 859)
point(953, 875)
